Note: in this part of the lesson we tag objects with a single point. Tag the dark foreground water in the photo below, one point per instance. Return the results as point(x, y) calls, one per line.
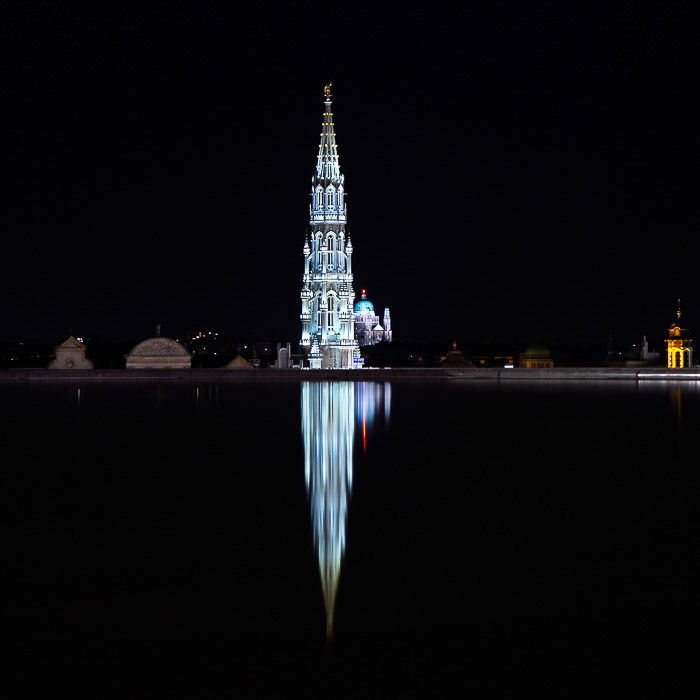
point(361, 540)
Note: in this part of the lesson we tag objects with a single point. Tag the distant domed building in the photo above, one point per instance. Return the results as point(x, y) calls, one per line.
point(368, 330)
point(158, 353)
point(455, 358)
point(70, 354)
point(536, 356)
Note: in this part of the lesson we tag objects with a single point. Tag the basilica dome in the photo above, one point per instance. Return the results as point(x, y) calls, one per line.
point(363, 305)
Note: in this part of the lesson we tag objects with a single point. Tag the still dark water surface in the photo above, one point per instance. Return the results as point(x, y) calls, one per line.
point(360, 540)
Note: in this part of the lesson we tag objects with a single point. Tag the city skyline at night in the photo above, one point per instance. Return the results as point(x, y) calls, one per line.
point(230, 472)
point(519, 171)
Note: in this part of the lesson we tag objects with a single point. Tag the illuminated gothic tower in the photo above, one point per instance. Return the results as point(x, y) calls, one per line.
point(327, 296)
point(680, 350)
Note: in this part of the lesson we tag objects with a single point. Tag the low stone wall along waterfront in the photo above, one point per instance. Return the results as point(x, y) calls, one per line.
point(362, 375)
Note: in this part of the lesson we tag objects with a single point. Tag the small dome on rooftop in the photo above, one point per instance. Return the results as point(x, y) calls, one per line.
point(539, 351)
point(363, 304)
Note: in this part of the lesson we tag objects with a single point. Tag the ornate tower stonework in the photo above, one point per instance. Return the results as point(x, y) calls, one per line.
point(327, 296)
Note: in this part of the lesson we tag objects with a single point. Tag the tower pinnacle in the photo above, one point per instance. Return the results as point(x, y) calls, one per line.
point(327, 165)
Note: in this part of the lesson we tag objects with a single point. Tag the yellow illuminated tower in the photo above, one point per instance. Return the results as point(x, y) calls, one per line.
point(680, 349)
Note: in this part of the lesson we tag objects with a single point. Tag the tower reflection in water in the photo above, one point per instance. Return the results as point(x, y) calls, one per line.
point(329, 414)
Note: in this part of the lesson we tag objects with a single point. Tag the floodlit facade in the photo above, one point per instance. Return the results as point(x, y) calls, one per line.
point(680, 349)
point(536, 356)
point(368, 329)
point(70, 354)
point(327, 295)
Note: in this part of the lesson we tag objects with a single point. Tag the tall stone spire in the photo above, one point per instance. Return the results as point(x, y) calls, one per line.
point(327, 165)
point(327, 184)
point(327, 296)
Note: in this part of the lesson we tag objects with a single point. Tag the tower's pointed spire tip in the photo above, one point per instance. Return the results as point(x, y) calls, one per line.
point(327, 167)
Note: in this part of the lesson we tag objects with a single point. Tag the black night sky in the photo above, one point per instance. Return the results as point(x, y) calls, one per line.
point(515, 170)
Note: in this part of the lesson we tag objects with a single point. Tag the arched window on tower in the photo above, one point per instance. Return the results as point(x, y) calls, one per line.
point(330, 242)
point(332, 311)
point(316, 311)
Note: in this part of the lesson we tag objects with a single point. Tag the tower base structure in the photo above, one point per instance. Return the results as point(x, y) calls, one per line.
point(330, 356)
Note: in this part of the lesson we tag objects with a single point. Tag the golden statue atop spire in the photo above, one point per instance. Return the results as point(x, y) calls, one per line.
point(327, 90)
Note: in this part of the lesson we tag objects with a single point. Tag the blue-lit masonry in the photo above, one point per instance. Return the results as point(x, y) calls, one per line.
point(368, 329)
point(327, 294)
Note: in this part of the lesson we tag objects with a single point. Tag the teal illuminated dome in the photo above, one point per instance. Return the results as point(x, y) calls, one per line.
point(364, 305)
